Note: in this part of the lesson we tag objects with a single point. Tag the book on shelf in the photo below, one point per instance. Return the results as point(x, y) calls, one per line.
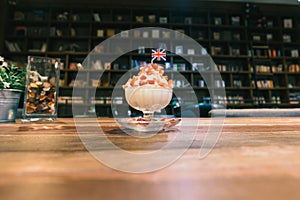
point(178, 83)
point(265, 83)
point(219, 99)
point(21, 30)
point(269, 37)
point(96, 17)
point(163, 20)
point(235, 20)
point(97, 64)
point(286, 38)
point(237, 83)
point(141, 50)
point(234, 51)
point(259, 52)
point(75, 17)
point(166, 34)
point(119, 18)
point(230, 67)
point(294, 98)
point(107, 65)
point(95, 83)
point(19, 15)
point(203, 51)
point(136, 33)
point(73, 32)
point(61, 83)
point(12, 46)
point(179, 66)
point(201, 83)
point(155, 33)
point(219, 83)
point(294, 67)
point(59, 32)
point(124, 34)
point(139, 19)
point(275, 99)
point(110, 32)
point(118, 100)
point(191, 51)
point(294, 53)
point(100, 33)
point(199, 67)
point(145, 34)
point(270, 23)
point(39, 48)
point(179, 49)
point(17, 47)
point(215, 50)
point(62, 17)
point(288, 23)
point(152, 18)
point(70, 100)
point(277, 68)
point(216, 35)
point(235, 99)
point(62, 66)
point(259, 100)
point(105, 100)
point(168, 66)
point(218, 21)
point(257, 38)
point(263, 68)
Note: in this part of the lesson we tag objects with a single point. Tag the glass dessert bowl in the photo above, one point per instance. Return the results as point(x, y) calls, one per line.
point(149, 91)
point(148, 99)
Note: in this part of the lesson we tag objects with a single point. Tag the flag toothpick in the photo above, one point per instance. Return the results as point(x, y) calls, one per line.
point(159, 54)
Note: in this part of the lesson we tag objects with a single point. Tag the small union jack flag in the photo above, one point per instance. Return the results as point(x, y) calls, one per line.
point(158, 54)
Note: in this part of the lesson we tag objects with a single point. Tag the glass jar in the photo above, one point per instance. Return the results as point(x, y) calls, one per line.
point(42, 86)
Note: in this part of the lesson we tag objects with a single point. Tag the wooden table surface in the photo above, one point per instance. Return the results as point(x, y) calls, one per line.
point(254, 158)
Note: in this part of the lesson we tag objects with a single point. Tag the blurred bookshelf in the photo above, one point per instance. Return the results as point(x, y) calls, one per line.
point(257, 55)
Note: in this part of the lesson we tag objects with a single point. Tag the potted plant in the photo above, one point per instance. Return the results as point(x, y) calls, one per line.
point(12, 83)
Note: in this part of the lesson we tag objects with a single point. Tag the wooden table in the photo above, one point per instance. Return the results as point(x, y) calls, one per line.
point(255, 158)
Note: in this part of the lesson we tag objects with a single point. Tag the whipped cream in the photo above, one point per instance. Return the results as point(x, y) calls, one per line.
point(152, 75)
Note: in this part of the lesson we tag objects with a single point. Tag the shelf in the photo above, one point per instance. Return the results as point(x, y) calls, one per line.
point(69, 37)
point(239, 105)
point(264, 73)
point(294, 88)
point(211, 27)
point(239, 88)
point(230, 57)
point(273, 88)
point(234, 72)
point(53, 53)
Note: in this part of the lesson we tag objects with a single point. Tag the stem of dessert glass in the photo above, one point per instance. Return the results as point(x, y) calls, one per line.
point(148, 115)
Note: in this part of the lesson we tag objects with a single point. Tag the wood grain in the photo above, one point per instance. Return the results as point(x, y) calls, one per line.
point(255, 158)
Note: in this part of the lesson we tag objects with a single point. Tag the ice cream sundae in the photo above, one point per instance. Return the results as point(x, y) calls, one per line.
point(150, 90)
